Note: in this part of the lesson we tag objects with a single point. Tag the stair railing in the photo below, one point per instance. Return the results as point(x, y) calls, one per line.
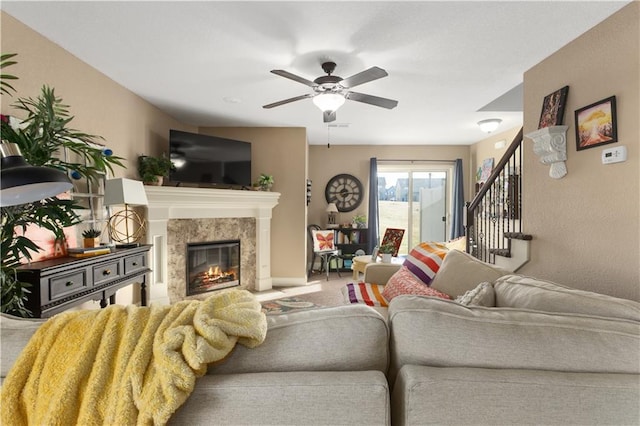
point(494, 216)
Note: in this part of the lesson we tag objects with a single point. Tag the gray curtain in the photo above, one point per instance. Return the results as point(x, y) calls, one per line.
point(373, 235)
point(457, 222)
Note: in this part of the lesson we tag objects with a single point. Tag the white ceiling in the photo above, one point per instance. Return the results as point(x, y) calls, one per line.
point(207, 63)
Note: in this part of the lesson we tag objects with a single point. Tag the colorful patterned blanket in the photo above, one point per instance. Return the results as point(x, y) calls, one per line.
point(369, 294)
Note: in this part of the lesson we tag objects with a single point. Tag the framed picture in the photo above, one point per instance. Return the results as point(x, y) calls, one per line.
point(553, 108)
point(487, 168)
point(596, 124)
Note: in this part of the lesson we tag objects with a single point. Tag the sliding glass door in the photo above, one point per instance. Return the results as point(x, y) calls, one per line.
point(415, 197)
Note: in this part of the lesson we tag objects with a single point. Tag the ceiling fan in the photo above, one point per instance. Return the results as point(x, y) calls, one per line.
point(331, 91)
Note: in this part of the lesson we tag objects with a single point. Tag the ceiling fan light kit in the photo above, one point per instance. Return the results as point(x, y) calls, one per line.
point(330, 91)
point(328, 101)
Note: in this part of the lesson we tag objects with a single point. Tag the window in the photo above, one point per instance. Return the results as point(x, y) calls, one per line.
point(416, 197)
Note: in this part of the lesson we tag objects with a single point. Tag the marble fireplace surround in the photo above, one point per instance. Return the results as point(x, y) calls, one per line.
point(177, 215)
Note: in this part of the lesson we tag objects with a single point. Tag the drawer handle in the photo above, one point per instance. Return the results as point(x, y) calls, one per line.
point(106, 272)
point(68, 283)
point(135, 264)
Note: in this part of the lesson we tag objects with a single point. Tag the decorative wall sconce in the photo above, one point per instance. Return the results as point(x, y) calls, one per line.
point(550, 144)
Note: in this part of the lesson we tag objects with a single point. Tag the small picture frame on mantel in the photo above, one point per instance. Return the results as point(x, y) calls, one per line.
point(596, 124)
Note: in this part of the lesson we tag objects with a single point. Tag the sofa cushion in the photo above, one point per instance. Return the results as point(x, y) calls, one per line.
point(15, 333)
point(482, 295)
point(424, 260)
point(442, 333)
point(512, 397)
point(461, 272)
point(288, 398)
point(342, 338)
point(531, 293)
point(404, 282)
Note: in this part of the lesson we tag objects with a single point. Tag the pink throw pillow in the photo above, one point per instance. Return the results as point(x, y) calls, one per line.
point(404, 282)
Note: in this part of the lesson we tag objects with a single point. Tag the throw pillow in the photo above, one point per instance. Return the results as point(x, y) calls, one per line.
point(425, 259)
point(404, 282)
point(457, 244)
point(461, 272)
point(482, 295)
point(323, 240)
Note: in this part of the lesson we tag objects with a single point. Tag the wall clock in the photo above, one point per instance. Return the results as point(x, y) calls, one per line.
point(345, 191)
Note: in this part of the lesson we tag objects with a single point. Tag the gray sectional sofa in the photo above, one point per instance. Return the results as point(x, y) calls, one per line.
point(515, 350)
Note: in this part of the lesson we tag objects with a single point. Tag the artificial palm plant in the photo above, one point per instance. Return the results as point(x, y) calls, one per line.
point(43, 136)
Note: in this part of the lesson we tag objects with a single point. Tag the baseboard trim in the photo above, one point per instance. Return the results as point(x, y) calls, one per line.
point(289, 281)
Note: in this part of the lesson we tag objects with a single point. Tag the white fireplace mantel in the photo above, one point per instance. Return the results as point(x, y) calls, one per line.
point(167, 203)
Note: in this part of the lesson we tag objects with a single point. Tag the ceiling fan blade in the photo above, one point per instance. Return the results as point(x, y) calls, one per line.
point(372, 100)
point(286, 101)
point(329, 116)
point(365, 76)
point(287, 74)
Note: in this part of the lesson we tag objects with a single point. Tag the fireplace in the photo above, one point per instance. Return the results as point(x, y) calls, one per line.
point(177, 216)
point(212, 266)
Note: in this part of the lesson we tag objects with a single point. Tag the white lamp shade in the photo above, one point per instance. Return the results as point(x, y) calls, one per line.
point(328, 101)
point(331, 208)
point(489, 125)
point(124, 191)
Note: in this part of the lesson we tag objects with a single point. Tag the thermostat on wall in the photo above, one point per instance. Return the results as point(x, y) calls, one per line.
point(614, 155)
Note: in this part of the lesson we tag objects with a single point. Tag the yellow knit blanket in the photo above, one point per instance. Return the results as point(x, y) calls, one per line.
point(125, 365)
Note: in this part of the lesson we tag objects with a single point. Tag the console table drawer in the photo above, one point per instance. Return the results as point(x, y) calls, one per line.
point(135, 263)
point(65, 285)
point(106, 272)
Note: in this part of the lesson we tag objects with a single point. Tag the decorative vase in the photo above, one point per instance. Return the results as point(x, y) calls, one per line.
point(91, 242)
point(158, 182)
point(386, 257)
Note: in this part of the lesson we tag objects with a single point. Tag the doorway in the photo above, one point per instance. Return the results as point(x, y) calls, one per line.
point(416, 197)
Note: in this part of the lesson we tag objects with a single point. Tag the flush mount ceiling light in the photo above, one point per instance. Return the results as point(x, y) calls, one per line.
point(489, 125)
point(23, 183)
point(328, 101)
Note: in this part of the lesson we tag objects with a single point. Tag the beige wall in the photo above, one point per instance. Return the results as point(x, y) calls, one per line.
point(280, 152)
point(324, 163)
point(486, 149)
point(129, 125)
point(585, 225)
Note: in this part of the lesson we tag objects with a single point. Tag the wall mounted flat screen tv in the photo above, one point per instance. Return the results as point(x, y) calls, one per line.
point(203, 159)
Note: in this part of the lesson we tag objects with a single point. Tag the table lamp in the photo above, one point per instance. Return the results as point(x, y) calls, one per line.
point(332, 210)
point(127, 192)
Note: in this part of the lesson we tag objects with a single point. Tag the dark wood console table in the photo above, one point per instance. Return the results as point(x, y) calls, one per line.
point(61, 283)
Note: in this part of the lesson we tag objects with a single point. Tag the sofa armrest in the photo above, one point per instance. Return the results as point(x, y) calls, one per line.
point(15, 333)
point(379, 273)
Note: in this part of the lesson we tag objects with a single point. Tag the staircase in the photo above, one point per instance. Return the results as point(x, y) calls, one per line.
point(494, 216)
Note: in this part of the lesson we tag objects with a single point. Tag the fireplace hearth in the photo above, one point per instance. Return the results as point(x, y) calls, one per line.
point(212, 266)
